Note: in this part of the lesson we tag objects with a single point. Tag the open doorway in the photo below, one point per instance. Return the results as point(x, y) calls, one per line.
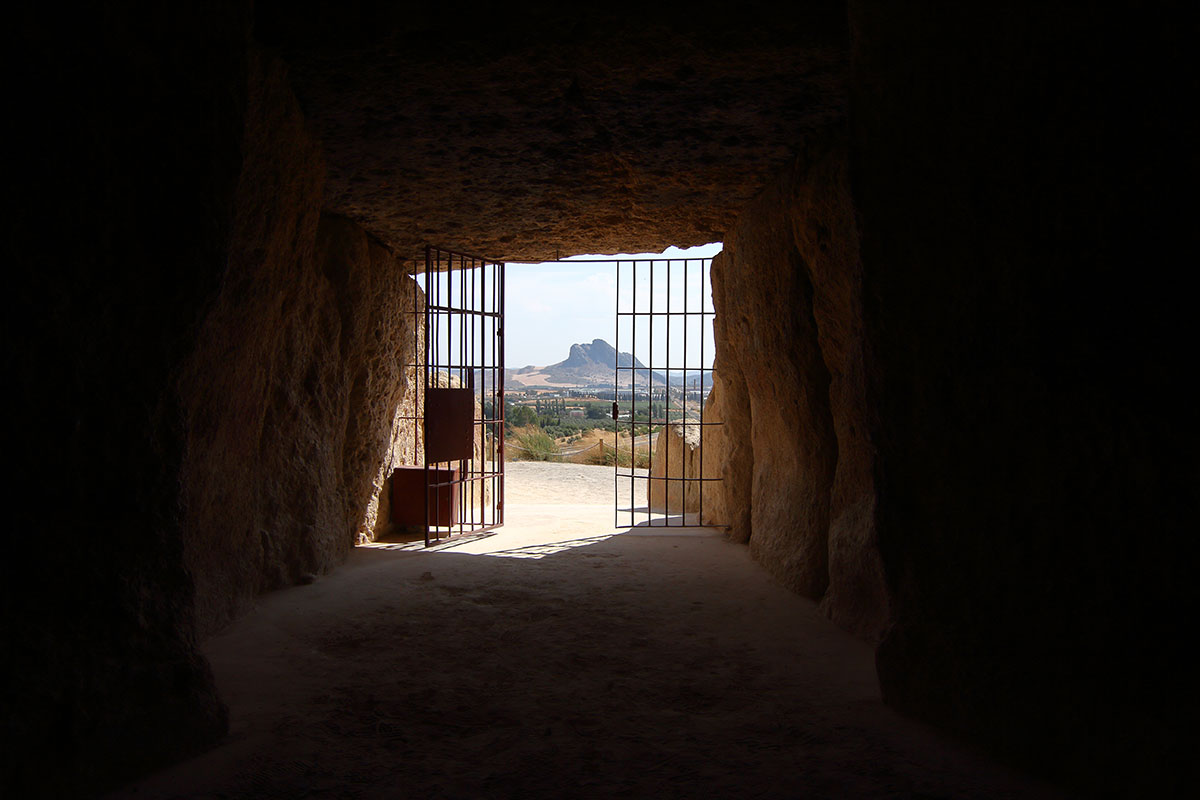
point(609, 364)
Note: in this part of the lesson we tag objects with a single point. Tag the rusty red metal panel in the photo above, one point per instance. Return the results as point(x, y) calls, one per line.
point(409, 490)
point(449, 417)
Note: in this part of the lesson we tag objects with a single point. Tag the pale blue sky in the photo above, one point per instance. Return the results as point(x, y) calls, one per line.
point(551, 306)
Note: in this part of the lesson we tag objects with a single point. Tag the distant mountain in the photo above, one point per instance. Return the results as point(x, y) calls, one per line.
point(594, 364)
point(589, 358)
point(598, 359)
point(587, 364)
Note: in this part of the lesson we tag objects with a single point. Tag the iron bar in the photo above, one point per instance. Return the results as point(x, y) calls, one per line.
point(431, 338)
point(616, 408)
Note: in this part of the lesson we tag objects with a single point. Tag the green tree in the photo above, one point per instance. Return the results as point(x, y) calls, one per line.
point(522, 416)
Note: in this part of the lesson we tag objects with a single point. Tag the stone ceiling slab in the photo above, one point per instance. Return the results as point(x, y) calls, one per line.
point(533, 135)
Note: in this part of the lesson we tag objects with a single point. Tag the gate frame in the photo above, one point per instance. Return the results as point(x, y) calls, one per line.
point(663, 518)
point(438, 312)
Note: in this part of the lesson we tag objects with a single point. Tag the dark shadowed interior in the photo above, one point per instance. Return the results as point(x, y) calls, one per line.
point(952, 325)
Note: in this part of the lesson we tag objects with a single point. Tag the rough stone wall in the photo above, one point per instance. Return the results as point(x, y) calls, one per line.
point(292, 395)
point(716, 444)
point(1024, 183)
point(737, 456)
point(678, 455)
point(405, 447)
point(198, 357)
point(125, 125)
point(790, 369)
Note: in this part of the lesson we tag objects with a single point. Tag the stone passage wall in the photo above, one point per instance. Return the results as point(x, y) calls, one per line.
point(208, 371)
point(405, 447)
point(798, 465)
point(293, 396)
point(115, 245)
point(1021, 184)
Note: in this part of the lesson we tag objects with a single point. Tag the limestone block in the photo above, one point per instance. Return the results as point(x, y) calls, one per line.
point(293, 394)
point(798, 468)
point(607, 143)
point(679, 460)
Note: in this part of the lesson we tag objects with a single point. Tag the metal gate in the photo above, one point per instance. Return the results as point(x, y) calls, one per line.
point(665, 346)
point(458, 426)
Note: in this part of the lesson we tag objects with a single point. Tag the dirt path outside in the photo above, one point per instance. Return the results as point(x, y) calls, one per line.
point(560, 658)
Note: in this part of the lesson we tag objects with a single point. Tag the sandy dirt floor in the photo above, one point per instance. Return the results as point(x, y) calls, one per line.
point(560, 658)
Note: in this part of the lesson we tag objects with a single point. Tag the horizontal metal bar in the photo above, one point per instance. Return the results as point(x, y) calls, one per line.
point(680, 422)
point(657, 260)
point(674, 370)
point(474, 477)
point(478, 312)
point(669, 478)
point(663, 478)
point(486, 262)
point(666, 313)
point(451, 531)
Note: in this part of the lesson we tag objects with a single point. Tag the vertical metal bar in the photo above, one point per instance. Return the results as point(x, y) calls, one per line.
point(478, 364)
point(497, 409)
point(616, 402)
point(650, 392)
point(497, 404)
point(464, 470)
point(446, 367)
point(465, 379)
point(444, 333)
point(667, 405)
point(478, 513)
point(442, 329)
point(701, 398)
point(475, 324)
point(500, 401)
point(633, 401)
point(460, 312)
point(478, 446)
point(490, 333)
point(425, 378)
point(418, 355)
point(684, 421)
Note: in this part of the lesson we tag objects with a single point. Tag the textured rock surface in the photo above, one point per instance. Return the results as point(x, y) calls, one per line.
point(673, 459)
point(1019, 178)
point(115, 245)
point(787, 295)
point(292, 394)
point(678, 455)
point(716, 510)
point(547, 128)
point(737, 456)
point(405, 447)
